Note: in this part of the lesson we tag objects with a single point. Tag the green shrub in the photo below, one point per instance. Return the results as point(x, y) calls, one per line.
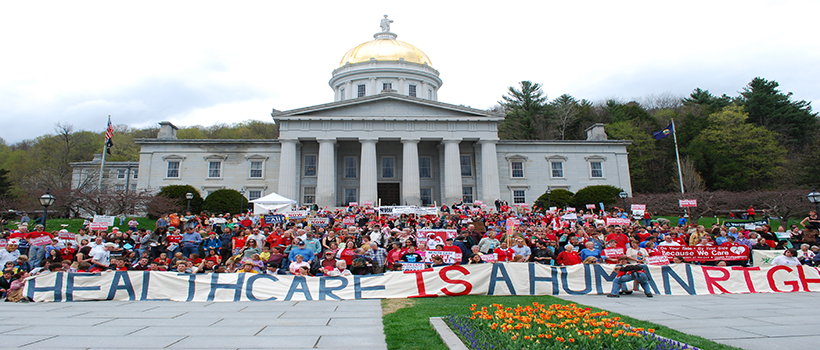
point(596, 194)
point(557, 198)
point(178, 192)
point(225, 201)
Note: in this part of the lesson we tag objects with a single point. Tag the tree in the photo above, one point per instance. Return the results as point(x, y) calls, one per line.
point(692, 181)
point(557, 198)
point(737, 156)
point(606, 194)
point(566, 110)
point(178, 192)
point(704, 99)
point(649, 167)
point(526, 111)
point(225, 201)
point(774, 110)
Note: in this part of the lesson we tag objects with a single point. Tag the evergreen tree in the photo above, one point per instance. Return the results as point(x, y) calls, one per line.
point(526, 111)
point(774, 110)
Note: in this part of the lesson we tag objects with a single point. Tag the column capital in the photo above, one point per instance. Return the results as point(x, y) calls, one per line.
point(368, 140)
point(451, 140)
point(326, 140)
point(487, 141)
point(410, 140)
point(293, 140)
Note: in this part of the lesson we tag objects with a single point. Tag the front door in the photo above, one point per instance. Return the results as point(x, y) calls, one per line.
point(389, 193)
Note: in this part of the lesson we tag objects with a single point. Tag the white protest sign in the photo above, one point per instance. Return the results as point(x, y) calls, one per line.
point(109, 220)
point(321, 222)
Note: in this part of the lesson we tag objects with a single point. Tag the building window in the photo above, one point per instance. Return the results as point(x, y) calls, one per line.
point(388, 167)
point(350, 195)
point(597, 169)
point(361, 91)
point(426, 195)
point(136, 173)
point(256, 169)
point(309, 196)
point(214, 169)
point(254, 194)
point(467, 194)
point(310, 165)
point(466, 165)
point(412, 91)
point(387, 86)
point(557, 169)
point(120, 173)
point(342, 94)
point(351, 168)
point(517, 169)
point(425, 167)
point(519, 196)
point(173, 169)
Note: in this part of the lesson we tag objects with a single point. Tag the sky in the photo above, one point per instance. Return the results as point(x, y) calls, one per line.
point(208, 62)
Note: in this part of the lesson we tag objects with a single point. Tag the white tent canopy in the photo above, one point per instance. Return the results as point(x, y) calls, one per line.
point(272, 203)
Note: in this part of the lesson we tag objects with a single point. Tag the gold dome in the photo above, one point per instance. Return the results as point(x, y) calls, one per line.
point(385, 50)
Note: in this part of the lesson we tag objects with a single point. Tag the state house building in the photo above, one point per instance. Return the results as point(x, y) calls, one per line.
point(387, 138)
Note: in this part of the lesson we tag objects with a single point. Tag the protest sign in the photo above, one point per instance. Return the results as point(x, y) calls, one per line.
point(441, 235)
point(618, 221)
point(353, 204)
point(570, 210)
point(688, 203)
point(349, 220)
point(3, 243)
point(745, 223)
point(417, 281)
point(764, 257)
point(274, 219)
point(320, 222)
point(109, 220)
point(635, 207)
point(297, 214)
point(613, 253)
point(367, 203)
point(657, 260)
point(39, 241)
point(448, 256)
point(66, 236)
point(490, 258)
point(591, 206)
point(98, 226)
point(705, 253)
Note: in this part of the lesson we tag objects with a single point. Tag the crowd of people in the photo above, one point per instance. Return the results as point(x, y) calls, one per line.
point(359, 241)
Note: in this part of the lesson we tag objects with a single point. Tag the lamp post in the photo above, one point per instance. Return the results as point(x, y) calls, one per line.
point(242, 201)
point(189, 196)
point(814, 197)
point(623, 196)
point(46, 201)
point(549, 199)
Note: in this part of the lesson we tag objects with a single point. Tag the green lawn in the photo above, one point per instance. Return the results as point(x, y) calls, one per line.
point(407, 321)
point(75, 224)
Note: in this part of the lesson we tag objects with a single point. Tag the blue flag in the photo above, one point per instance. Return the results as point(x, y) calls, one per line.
point(664, 133)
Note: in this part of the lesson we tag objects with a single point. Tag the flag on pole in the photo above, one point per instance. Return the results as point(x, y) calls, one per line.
point(665, 132)
point(109, 136)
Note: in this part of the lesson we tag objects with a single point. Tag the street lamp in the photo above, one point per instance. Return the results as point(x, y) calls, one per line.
point(549, 199)
point(242, 201)
point(814, 197)
point(623, 196)
point(46, 200)
point(189, 196)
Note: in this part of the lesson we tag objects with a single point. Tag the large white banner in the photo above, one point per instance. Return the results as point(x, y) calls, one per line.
point(480, 279)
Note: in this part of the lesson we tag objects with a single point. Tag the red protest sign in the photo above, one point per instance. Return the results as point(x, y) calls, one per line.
point(66, 236)
point(688, 203)
point(349, 220)
point(613, 253)
point(39, 241)
point(353, 204)
point(367, 203)
point(657, 260)
point(98, 226)
point(728, 253)
point(618, 221)
point(591, 206)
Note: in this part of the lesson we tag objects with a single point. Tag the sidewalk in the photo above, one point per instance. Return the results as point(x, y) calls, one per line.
point(179, 325)
point(769, 321)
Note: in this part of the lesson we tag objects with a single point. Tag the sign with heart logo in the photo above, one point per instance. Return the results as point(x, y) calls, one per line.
point(699, 253)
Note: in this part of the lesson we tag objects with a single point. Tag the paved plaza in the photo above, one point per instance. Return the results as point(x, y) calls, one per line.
point(747, 321)
point(770, 321)
point(179, 325)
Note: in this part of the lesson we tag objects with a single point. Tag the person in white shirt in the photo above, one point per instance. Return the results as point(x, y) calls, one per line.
point(102, 259)
point(96, 246)
point(788, 258)
point(667, 241)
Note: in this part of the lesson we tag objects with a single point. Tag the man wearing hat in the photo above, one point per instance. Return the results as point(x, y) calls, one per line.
point(10, 253)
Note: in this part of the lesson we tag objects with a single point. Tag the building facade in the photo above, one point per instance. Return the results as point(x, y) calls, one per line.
point(385, 139)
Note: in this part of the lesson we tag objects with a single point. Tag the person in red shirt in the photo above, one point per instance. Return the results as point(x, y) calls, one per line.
point(68, 252)
point(504, 252)
point(750, 213)
point(619, 237)
point(568, 257)
point(172, 242)
point(37, 252)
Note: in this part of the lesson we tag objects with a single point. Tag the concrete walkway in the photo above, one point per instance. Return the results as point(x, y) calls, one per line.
point(769, 321)
point(178, 325)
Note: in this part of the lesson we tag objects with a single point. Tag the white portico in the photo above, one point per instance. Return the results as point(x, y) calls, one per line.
point(401, 149)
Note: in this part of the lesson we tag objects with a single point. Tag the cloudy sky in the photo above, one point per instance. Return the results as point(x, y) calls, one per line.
point(202, 62)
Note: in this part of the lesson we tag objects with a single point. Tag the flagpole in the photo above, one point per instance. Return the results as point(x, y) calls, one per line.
point(677, 154)
point(102, 164)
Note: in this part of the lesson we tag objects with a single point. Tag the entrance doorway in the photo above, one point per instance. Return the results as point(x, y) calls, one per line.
point(389, 193)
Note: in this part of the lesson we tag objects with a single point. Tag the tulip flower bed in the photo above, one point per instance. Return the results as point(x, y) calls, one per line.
point(556, 326)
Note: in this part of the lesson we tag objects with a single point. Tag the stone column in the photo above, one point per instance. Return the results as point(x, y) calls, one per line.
point(410, 191)
point(326, 175)
point(368, 190)
point(489, 172)
point(288, 174)
point(452, 171)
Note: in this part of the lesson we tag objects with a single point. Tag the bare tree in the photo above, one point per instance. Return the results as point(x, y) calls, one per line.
point(692, 181)
point(566, 112)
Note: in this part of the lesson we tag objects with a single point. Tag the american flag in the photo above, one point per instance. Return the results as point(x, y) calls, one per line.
point(109, 136)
